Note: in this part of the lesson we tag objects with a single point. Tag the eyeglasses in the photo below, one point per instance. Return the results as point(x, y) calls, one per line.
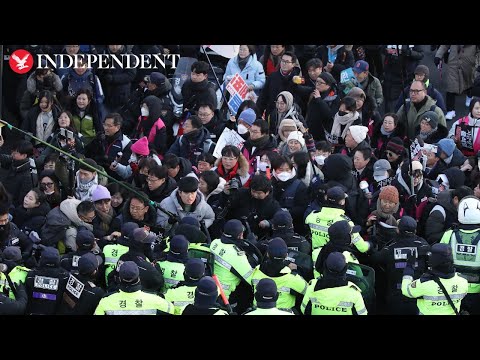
point(389, 153)
point(254, 131)
point(132, 208)
point(151, 180)
point(49, 184)
point(320, 82)
point(204, 114)
point(286, 62)
point(416, 92)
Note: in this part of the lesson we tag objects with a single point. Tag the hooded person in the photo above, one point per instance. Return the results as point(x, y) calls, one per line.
point(205, 303)
point(284, 129)
point(285, 109)
point(151, 124)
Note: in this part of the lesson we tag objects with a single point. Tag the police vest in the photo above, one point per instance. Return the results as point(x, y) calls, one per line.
point(112, 254)
point(231, 265)
point(285, 284)
point(5, 287)
point(18, 274)
point(320, 221)
point(349, 259)
point(181, 297)
point(430, 298)
point(287, 199)
point(74, 290)
point(272, 311)
point(202, 251)
point(334, 301)
point(466, 255)
point(135, 303)
point(172, 273)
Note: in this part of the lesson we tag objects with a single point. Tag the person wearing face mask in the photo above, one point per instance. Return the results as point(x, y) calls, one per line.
point(151, 125)
point(31, 215)
point(194, 141)
point(258, 143)
point(49, 185)
point(245, 121)
point(290, 192)
point(10, 234)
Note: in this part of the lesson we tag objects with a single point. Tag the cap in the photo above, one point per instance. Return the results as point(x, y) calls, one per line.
point(50, 257)
point(90, 162)
point(143, 236)
point(335, 194)
point(156, 78)
point(336, 263)
point(447, 146)
point(248, 116)
point(358, 132)
point(407, 224)
point(360, 66)
point(389, 193)
point(190, 220)
point(282, 218)
point(100, 193)
point(396, 145)
point(188, 184)
point(12, 253)
point(298, 136)
point(85, 239)
point(232, 229)
point(430, 117)
point(179, 245)
point(141, 146)
point(441, 254)
point(266, 291)
point(277, 248)
point(127, 231)
point(340, 232)
point(129, 272)
point(380, 167)
point(194, 269)
point(206, 293)
point(87, 263)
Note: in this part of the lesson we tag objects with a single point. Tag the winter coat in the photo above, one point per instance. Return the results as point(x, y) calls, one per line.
point(441, 217)
point(460, 72)
point(18, 180)
point(241, 171)
point(320, 113)
point(31, 219)
point(163, 191)
point(182, 147)
point(252, 73)
point(151, 219)
point(194, 94)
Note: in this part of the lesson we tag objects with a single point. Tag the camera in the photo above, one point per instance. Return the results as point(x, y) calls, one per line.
point(234, 184)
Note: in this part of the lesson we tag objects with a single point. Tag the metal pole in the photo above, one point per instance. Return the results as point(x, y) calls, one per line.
point(1, 81)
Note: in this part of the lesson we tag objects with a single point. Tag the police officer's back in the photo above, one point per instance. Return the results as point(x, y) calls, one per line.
point(183, 293)
point(431, 300)
point(332, 294)
point(12, 258)
point(282, 226)
point(82, 295)
point(266, 296)
point(45, 284)
point(130, 299)
point(394, 258)
point(18, 303)
point(205, 303)
point(172, 264)
point(291, 286)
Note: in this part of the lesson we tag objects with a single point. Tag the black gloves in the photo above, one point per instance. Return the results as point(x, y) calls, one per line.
point(172, 220)
point(437, 61)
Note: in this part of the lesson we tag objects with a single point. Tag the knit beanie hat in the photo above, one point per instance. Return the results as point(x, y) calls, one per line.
point(141, 146)
point(389, 193)
point(359, 133)
point(248, 116)
point(447, 146)
point(396, 145)
point(100, 193)
point(296, 135)
point(431, 117)
point(357, 93)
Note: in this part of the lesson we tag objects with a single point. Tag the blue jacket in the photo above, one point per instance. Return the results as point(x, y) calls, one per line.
point(252, 73)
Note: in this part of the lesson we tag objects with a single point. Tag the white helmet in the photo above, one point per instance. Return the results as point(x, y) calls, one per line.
point(469, 210)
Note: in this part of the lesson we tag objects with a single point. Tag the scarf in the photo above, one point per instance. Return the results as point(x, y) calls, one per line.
point(424, 135)
point(106, 218)
point(230, 175)
point(387, 218)
point(260, 142)
point(43, 132)
point(385, 132)
point(242, 62)
point(338, 121)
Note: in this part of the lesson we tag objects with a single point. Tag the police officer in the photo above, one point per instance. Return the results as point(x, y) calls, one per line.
point(463, 240)
point(332, 211)
point(332, 294)
point(172, 264)
point(114, 251)
point(231, 263)
point(184, 293)
point(431, 300)
point(205, 303)
point(340, 234)
point(18, 304)
point(150, 275)
point(81, 295)
point(45, 284)
point(130, 299)
point(266, 296)
point(86, 242)
point(12, 258)
point(291, 286)
point(394, 258)
point(282, 226)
